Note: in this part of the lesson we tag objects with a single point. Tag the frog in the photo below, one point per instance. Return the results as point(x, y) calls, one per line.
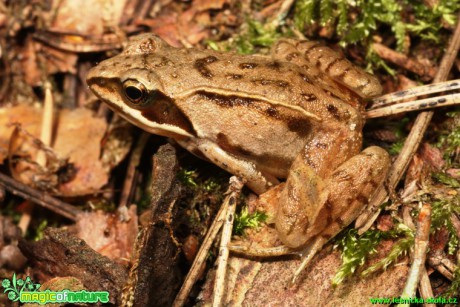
point(295, 115)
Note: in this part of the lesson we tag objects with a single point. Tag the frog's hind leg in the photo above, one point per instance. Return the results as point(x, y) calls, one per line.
point(351, 187)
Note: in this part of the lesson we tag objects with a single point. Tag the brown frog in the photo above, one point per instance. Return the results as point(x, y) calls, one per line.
point(296, 114)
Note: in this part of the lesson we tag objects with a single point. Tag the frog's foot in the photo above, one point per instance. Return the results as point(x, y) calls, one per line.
point(349, 188)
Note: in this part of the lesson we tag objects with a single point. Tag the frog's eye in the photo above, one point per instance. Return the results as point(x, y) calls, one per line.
point(135, 91)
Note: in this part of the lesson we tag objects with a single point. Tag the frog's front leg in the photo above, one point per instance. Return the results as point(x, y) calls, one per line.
point(247, 170)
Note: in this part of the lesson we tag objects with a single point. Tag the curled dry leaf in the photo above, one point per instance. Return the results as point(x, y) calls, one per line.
point(426, 160)
point(93, 29)
point(39, 61)
point(28, 116)
point(73, 165)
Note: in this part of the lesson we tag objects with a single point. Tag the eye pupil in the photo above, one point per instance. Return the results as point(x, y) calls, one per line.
point(134, 93)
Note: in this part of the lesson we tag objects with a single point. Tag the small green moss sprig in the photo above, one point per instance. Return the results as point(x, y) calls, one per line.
point(396, 147)
point(356, 21)
point(450, 143)
point(446, 179)
point(399, 249)
point(429, 20)
point(244, 220)
point(454, 288)
point(355, 250)
point(441, 212)
point(188, 177)
point(253, 35)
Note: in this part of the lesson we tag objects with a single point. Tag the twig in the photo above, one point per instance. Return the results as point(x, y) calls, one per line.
point(420, 250)
point(438, 260)
point(433, 88)
point(425, 285)
point(126, 193)
point(425, 289)
point(41, 198)
point(416, 105)
point(284, 10)
point(219, 284)
point(201, 256)
point(412, 141)
point(402, 60)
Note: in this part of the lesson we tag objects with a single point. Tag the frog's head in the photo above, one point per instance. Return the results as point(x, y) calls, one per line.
point(134, 91)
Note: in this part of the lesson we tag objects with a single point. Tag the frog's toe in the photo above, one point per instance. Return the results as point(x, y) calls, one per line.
point(307, 256)
point(254, 251)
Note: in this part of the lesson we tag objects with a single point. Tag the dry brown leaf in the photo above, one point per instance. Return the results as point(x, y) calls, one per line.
point(28, 116)
point(164, 26)
point(432, 156)
point(78, 137)
point(106, 234)
point(93, 17)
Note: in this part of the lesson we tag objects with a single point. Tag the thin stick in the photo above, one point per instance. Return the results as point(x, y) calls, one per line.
point(130, 173)
point(45, 136)
point(41, 198)
point(412, 142)
point(219, 284)
point(438, 260)
point(201, 256)
point(416, 105)
point(284, 10)
point(425, 289)
point(402, 60)
point(425, 285)
point(420, 250)
point(433, 88)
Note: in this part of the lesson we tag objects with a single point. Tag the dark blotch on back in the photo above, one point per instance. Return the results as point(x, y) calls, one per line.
point(272, 112)
point(247, 65)
point(333, 110)
point(201, 66)
point(226, 101)
point(298, 125)
point(305, 78)
point(235, 76)
point(279, 83)
point(274, 65)
point(309, 97)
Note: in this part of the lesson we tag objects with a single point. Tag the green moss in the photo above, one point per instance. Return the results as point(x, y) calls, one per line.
point(244, 220)
point(399, 249)
point(450, 143)
point(355, 250)
point(357, 21)
point(441, 212)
